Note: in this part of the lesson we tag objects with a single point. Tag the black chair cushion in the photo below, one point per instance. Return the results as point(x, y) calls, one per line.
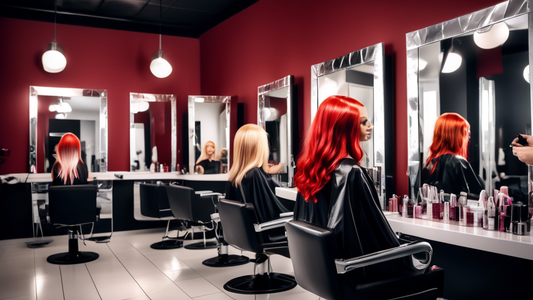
point(187, 205)
point(72, 204)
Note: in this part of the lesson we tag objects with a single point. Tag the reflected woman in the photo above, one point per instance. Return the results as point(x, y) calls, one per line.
point(249, 178)
point(335, 192)
point(69, 168)
point(207, 162)
point(447, 167)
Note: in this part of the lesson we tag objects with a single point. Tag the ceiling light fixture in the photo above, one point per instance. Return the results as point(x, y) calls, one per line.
point(54, 60)
point(526, 73)
point(159, 66)
point(492, 36)
point(451, 61)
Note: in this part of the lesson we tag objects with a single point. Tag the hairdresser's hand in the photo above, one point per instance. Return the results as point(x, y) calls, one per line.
point(274, 169)
point(527, 137)
point(524, 154)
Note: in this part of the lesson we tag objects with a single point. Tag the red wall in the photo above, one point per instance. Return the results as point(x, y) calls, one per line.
point(117, 61)
point(250, 49)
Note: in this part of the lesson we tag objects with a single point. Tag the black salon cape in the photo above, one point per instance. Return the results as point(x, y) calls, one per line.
point(349, 205)
point(259, 189)
point(210, 166)
point(453, 174)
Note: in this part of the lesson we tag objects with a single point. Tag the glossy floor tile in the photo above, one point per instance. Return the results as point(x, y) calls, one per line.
point(126, 269)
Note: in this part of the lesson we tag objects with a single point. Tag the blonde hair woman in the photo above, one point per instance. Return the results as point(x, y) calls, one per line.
point(207, 163)
point(249, 178)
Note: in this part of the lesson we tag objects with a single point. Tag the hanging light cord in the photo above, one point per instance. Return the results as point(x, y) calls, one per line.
point(55, 20)
point(160, 20)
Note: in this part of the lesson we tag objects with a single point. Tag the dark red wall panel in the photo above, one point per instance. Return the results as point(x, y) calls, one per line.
point(117, 61)
point(275, 38)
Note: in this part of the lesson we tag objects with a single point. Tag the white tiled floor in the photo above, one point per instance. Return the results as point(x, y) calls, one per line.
point(126, 269)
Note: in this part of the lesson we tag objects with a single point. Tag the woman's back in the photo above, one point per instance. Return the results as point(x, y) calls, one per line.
point(82, 171)
point(349, 206)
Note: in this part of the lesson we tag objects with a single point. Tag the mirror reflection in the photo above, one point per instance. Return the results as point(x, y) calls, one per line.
point(275, 116)
point(56, 111)
point(209, 122)
point(152, 132)
point(483, 77)
point(359, 75)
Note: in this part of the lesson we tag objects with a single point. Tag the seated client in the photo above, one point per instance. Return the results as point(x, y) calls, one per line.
point(249, 180)
point(207, 162)
point(447, 167)
point(69, 168)
point(335, 192)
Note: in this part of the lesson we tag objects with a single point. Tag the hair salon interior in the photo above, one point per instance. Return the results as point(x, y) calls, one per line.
point(154, 88)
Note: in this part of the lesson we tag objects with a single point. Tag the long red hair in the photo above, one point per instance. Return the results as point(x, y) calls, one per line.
point(68, 157)
point(334, 135)
point(451, 136)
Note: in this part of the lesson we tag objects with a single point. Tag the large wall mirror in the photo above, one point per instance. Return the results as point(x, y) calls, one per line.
point(477, 66)
point(359, 75)
point(56, 111)
point(152, 132)
point(209, 136)
point(274, 114)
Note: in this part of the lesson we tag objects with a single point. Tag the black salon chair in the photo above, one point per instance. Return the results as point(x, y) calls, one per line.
point(72, 206)
point(154, 204)
point(243, 231)
point(318, 268)
point(196, 211)
point(199, 209)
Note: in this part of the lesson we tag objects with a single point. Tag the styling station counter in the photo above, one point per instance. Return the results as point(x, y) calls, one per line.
point(24, 197)
point(477, 263)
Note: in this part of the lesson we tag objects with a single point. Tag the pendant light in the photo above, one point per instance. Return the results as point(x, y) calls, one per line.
point(159, 66)
point(492, 36)
point(452, 61)
point(526, 73)
point(54, 60)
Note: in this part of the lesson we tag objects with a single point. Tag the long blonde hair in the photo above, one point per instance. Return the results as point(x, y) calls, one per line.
point(204, 156)
point(250, 150)
point(68, 157)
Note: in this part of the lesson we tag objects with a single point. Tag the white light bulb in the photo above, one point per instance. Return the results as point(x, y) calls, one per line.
point(54, 61)
point(160, 67)
point(144, 106)
point(452, 63)
point(526, 73)
point(422, 64)
point(493, 37)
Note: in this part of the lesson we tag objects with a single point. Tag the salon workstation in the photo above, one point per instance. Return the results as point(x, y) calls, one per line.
point(234, 150)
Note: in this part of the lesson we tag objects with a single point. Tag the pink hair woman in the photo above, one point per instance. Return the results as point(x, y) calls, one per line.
point(69, 168)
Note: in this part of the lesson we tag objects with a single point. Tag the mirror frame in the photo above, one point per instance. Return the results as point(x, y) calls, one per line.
point(375, 54)
point(36, 91)
point(285, 82)
point(192, 130)
point(160, 98)
point(437, 33)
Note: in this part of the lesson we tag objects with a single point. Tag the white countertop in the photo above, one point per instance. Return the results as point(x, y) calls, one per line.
point(451, 233)
point(471, 237)
point(45, 177)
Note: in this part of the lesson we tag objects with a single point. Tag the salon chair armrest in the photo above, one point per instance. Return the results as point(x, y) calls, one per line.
point(260, 227)
point(202, 192)
point(286, 214)
point(346, 265)
point(209, 194)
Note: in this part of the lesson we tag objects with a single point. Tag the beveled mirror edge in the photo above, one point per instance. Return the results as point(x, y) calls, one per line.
point(173, 119)
point(36, 91)
point(191, 130)
point(376, 54)
point(436, 33)
point(288, 82)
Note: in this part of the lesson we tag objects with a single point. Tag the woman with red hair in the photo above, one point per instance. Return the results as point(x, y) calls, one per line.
point(335, 192)
point(447, 167)
point(69, 168)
